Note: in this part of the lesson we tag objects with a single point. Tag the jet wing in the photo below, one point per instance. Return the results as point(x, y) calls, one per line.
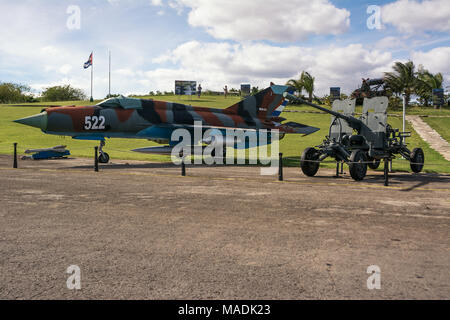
point(294, 127)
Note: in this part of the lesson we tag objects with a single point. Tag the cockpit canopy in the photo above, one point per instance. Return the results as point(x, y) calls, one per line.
point(121, 102)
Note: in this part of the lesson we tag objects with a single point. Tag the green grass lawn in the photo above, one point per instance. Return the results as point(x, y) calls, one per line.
point(441, 125)
point(203, 101)
point(292, 146)
point(445, 111)
point(32, 138)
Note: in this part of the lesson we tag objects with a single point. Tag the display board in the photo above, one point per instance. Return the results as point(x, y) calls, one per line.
point(335, 93)
point(183, 87)
point(245, 90)
point(438, 97)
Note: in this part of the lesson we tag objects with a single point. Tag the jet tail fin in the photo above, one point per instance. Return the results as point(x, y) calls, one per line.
point(265, 104)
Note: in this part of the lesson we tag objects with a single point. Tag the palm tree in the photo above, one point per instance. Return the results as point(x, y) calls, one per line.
point(297, 84)
point(308, 84)
point(403, 80)
point(426, 82)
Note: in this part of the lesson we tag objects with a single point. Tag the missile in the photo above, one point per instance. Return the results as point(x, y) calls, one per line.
point(55, 149)
point(165, 150)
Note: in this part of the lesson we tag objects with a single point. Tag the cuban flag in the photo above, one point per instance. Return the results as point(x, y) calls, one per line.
point(88, 63)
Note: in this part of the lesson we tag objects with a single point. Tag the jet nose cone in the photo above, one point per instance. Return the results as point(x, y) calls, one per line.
point(38, 121)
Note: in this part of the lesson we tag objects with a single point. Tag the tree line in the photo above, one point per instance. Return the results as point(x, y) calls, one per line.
point(19, 93)
point(404, 80)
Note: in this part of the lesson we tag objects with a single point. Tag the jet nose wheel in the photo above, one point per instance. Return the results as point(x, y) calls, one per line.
point(358, 165)
point(103, 158)
point(417, 159)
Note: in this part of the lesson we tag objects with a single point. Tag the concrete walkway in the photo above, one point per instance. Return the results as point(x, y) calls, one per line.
point(430, 135)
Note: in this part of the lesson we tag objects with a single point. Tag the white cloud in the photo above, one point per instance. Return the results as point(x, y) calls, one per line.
point(41, 54)
point(156, 2)
point(232, 64)
point(275, 20)
point(410, 16)
point(390, 42)
point(177, 6)
point(435, 60)
point(65, 69)
point(216, 64)
point(410, 43)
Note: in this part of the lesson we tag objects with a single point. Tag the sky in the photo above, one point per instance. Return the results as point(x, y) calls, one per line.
point(216, 43)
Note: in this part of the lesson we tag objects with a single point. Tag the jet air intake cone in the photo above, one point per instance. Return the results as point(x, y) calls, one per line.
point(37, 121)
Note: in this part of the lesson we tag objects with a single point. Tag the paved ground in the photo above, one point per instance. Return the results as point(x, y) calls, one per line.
point(143, 231)
point(430, 135)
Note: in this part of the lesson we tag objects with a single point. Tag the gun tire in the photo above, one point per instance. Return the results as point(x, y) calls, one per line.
point(223, 155)
point(358, 165)
point(417, 159)
point(309, 168)
point(373, 163)
point(103, 158)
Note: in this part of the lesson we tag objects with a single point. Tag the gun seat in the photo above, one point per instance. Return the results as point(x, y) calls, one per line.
point(339, 127)
point(374, 117)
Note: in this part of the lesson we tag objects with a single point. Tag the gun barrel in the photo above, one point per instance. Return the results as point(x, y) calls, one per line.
point(372, 82)
point(353, 122)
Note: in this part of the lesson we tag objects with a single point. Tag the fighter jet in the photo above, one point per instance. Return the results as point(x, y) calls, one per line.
point(153, 120)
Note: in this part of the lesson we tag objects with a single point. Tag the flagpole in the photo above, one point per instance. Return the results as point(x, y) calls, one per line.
point(92, 76)
point(110, 73)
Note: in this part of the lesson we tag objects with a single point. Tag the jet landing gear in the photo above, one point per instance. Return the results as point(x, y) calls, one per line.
point(103, 157)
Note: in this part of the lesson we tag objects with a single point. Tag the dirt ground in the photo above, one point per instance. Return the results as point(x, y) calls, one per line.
point(140, 230)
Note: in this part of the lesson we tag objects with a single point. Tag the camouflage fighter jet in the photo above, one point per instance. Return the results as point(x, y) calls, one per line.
point(156, 120)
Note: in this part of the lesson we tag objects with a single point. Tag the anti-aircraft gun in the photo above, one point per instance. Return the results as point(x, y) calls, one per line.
point(370, 88)
point(359, 142)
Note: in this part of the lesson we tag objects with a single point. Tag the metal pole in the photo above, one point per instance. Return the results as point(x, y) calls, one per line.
point(109, 90)
point(404, 114)
point(183, 167)
point(280, 167)
point(15, 156)
point(96, 159)
point(92, 77)
point(386, 171)
point(404, 119)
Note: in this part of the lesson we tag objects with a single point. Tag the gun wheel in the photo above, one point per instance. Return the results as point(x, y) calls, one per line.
point(223, 154)
point(373, 163)
point(358, 165)
point(417, 159)
point(103, 158)
point(308, 162)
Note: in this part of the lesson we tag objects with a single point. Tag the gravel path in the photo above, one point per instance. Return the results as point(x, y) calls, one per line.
point(431, 136)
point(140, 230)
